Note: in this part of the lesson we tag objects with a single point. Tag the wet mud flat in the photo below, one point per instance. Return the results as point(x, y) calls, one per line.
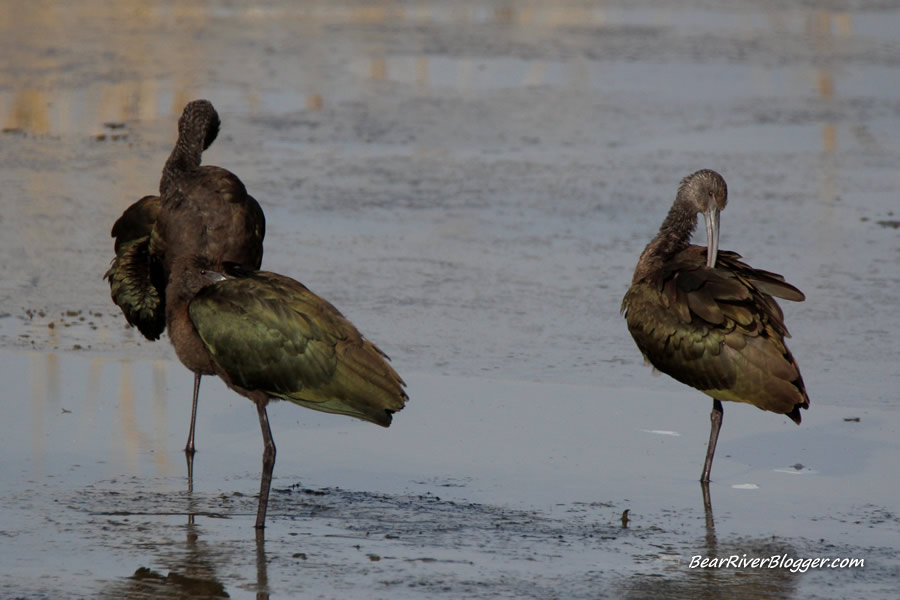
point(339, 543)
point(492, 502)
point(471, 183)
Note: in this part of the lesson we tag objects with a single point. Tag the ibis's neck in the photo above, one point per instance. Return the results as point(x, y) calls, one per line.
point(673, 237)
point(185, 157)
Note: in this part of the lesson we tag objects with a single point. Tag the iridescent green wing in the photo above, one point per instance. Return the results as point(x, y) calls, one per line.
point(268, 332)
point(132, 285)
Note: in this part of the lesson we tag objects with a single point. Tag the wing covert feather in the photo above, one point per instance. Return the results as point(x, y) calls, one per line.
point(269, 332)
point(133, 284)
point(718, 330)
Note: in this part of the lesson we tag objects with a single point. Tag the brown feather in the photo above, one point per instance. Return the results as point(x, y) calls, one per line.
point(718, 330)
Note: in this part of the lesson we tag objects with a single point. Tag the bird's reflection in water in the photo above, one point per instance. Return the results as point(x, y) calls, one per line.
point(189, 570)
point(679, 580)
point(190, 476)
point(710, 521)
point(262, 576)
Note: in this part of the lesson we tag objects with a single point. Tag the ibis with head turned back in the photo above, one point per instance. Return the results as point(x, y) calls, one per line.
point(709, 320)
point(270, 338)
point(201, 211)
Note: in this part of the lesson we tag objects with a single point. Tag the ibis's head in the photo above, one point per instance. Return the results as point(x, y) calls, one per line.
point(706, 192)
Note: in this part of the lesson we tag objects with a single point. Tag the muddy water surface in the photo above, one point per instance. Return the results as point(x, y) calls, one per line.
point(471, 183)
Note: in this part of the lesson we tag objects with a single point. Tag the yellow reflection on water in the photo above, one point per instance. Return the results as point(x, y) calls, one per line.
point(160, 419)
point(823, 33)
point(121, 58)
point(824, 28)
point(128, 430)
point(77, 409)
point(27, 110)
point(140, 60)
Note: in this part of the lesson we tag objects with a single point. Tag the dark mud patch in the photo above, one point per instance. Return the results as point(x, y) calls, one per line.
point(407, 519)
point(40, 327)
point(333, 542)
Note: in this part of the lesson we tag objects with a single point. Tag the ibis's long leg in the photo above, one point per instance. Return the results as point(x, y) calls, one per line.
point(715, 419)
point(189, 447)
point(268, 465)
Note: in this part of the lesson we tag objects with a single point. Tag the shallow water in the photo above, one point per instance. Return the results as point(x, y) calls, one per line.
point(479, 491)
point(471, 183)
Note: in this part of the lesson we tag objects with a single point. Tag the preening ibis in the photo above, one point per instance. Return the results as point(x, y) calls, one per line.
point(709, 320)
point(201, 211)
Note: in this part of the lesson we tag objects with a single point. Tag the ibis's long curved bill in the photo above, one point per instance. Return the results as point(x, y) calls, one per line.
point(712, 235)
